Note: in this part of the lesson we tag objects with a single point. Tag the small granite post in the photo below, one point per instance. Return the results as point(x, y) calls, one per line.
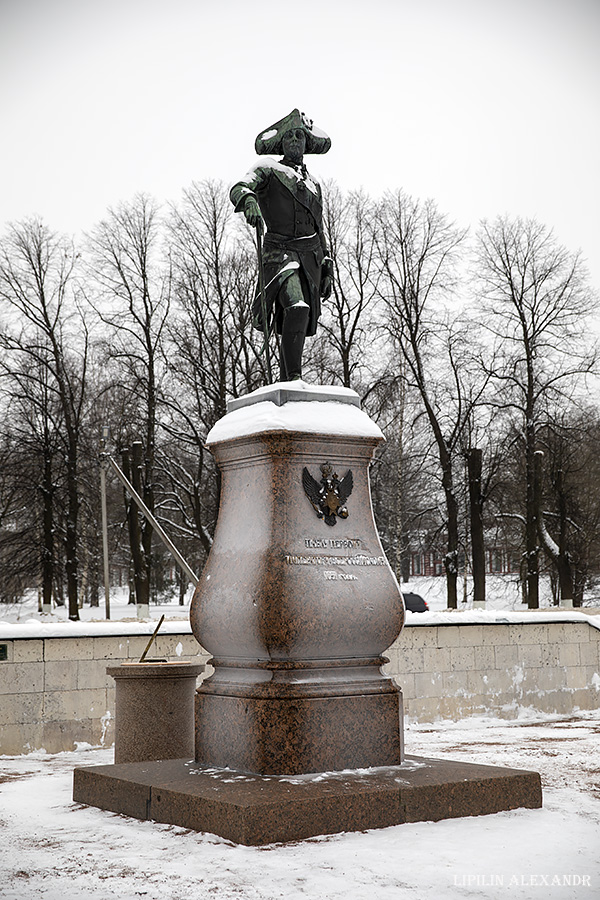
point(154, 702)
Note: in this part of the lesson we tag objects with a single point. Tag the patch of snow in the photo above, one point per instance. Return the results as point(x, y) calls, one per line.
point(267, 162)
point(22, 619)
point(106, 720)
point(495, 617)
point(326, 417)
point(325, 389)
point(34, 628)
point(318, 132)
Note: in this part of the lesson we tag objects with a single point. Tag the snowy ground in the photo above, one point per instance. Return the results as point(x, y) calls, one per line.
point(52, 848)
point(503, 593)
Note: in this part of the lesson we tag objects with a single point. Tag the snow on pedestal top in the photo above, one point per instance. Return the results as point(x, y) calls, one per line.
point(296, 406)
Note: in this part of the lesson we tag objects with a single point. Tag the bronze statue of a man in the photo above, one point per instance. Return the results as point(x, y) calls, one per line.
point(297, 268)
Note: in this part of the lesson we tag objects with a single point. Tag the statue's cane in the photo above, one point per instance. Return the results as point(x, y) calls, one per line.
point(263, 299)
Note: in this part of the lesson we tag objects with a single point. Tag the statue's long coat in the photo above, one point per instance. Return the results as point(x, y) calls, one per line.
point(291, 205)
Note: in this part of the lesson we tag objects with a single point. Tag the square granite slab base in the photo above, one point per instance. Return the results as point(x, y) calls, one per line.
point(264, 809)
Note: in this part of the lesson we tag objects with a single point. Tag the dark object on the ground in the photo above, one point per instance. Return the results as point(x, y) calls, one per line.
point(414, 602)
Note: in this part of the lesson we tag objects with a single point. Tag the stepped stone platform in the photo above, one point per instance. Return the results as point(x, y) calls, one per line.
point(264, 809)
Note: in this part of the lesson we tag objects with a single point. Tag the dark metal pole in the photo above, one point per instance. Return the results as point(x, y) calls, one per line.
point(152, 639)
point(146, 512)
point(104, 520)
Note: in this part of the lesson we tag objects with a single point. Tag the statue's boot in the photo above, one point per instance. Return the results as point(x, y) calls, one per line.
point(293, 333)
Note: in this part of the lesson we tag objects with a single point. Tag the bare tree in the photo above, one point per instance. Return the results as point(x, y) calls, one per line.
point(214, 353)
point(418, 250)
point(214, 276)
point(343, 348)
point(133, 296)
point(476, 497)
point(568, 499)
point(534, 300)
point(403, 486)
point(49, 335)
point(32, 466)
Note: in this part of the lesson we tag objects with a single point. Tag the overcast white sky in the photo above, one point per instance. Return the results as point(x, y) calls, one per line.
point(488, 106)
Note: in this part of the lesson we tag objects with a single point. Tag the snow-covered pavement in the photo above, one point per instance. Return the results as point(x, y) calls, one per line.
point(52, 848)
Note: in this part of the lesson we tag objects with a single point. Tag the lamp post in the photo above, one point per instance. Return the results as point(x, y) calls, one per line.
point(105, 433)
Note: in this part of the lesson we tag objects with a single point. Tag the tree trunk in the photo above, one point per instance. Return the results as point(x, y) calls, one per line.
point(565, 579)
point(399, 567)
point(71, 539)
point(140, 568)
point(95, 580)
point(143, 484)
point(48, 533)
point(477, 539)
point(531, 521)
point(130, 577)
point(579, 581)
point(451, 557)
point(558, 553)
point(59, 587)
point(182, 583)
point(565, 570)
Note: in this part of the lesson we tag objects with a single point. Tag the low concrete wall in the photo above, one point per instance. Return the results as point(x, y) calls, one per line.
point(498, 668)
point(54, 691)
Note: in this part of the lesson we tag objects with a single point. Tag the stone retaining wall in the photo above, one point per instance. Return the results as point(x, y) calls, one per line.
point(452, 671)
point(54, 691)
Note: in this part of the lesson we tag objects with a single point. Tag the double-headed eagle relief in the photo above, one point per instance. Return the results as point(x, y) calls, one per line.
point(328, 496)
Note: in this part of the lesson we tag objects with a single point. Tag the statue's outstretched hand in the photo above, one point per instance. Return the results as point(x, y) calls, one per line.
point(252, 211)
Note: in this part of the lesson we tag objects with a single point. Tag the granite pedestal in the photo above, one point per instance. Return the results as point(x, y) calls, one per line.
point(298, 731)
point(297, 607)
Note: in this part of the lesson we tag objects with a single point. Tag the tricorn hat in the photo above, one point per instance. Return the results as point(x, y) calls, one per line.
point(269, 140)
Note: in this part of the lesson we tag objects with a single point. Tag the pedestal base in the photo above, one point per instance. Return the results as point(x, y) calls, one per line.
point(299, 734)
point(258, 809)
